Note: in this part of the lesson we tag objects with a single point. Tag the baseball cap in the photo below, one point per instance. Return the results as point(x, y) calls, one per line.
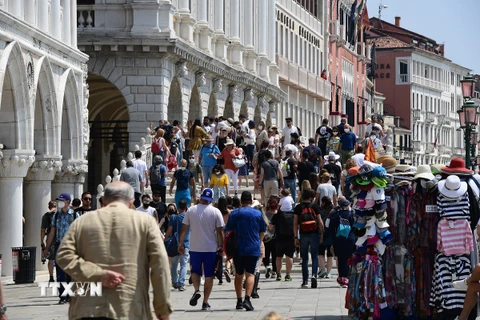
point(207, 194)
point(379, 172)
point(378, 193)
point(380, 182)
point(64, 197)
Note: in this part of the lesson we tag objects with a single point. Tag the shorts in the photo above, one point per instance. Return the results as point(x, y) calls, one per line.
point(245, 264)
point(285, 247)
point(205, 259)
point(321, 251)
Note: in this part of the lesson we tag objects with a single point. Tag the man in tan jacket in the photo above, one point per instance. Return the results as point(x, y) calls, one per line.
point(118, 247)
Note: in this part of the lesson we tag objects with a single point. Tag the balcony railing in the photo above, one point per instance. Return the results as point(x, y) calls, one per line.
point(417, 146)
point(85, 16)
point(430, 117)
point(430, 148)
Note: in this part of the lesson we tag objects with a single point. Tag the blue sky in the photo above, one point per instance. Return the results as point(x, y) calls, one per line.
point(453, 22)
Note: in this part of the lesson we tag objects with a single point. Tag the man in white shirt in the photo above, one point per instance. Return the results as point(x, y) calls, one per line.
point(359, 156)
point(141, 166)
point(206, 125)
point(288, 130)
point(206, 239)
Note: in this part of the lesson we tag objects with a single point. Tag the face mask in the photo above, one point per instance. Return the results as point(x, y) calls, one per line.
point(183, 168)
point(191, 160)
point(217, 172)
point(171, 211)
point(347, 130)
point(335, 133)
point(60, 204)
point(260, 127)
point(146, 204)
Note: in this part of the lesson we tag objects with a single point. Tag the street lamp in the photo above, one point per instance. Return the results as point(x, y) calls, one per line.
point(468, 87)
point(468, 117)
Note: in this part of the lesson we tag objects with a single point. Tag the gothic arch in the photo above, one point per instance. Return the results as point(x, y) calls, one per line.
point(71, 117)
point(46, 126)
point(16, 112)
point(175, 105)
point(212, 105)
point(195, 107)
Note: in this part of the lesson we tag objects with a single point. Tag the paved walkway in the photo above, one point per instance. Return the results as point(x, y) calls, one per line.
point(287, 298)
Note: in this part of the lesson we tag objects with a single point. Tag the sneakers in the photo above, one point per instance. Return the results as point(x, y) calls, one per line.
point(227, 276)
point(247, 304)
point(174, 286)
point(268, 273)
point(279, 277)
point(314, 282)
point(194, 298)
point(460, 284)
point(205, 306)
point(322, 273)
point(181, 288)
point(304, 284)
point(239, 304)
point(287, 277)
point(328, 276)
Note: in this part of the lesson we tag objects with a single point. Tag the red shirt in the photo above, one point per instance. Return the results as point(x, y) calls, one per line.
point(228, 156)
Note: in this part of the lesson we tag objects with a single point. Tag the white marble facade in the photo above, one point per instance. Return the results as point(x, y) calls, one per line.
point(181, 59)
point(43, 116)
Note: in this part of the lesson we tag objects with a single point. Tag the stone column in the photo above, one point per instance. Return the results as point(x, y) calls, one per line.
point(13, 168)
point(221, 41)
point(43, 19)
point(236, 47)
point(55, 27)
point(67, 37)
point(69, 177)
point(30, 12)
point(205, 37)
point(263, 30)
point(15, 8)
point(186, 21)
point(73, 23)
point(145, 17)
point(271, 31)
point(248, 15)
point(37, 188)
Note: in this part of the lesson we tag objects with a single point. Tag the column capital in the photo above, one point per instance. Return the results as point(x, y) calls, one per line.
point(72, 171)
point(15, 163)
point(44, 169)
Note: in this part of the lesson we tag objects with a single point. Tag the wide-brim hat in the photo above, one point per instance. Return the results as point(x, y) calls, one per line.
point(452, 187)
point(457, 166)
point(424, 172)
point(436, 168)
point(388, 162)
point(405, 169)
point(229, 142)
point(332, 155)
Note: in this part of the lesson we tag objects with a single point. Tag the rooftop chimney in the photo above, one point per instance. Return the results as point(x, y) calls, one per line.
point(397, 21)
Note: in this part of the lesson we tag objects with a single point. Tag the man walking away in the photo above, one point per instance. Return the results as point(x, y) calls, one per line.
point(206, 238)
point(157, 173)
point(141, 166)
point(132, 176)
point(322, 135)
point(121, 248)
point(86, 204)
point(61, 222)
point(250, 227)
point(270, 176)
point(308, 222)
point(174, 226)
point(285, 244)
point(289, 169)
point(45, 231)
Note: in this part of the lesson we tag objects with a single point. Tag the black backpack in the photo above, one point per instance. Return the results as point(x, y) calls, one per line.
point(286, 223)
point(155, 175)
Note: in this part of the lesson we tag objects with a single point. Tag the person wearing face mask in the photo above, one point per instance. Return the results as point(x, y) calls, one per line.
point(183, 177)
point(219, 183)
point(164, 222)
point(196, 169)
point(348, 144)
point(61, 221)
point(145, 207)
point(333, 142)
point(262, 135)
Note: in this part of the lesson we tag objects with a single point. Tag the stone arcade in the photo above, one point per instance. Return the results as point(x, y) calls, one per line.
point(174, 60)
point(43, 116)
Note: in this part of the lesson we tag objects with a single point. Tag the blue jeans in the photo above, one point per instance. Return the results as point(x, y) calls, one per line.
point(61, 277)
point(292, 186)
point(309, 243)
point(207, 174)
point(250, 151)
point(178, 278)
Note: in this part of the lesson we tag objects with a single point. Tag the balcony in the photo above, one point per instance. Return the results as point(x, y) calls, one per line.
point(361, 50)
point(441, 150)
point(430, 117)
point(343, 35)
point(447, 151)
point(85, 17)
point(446, 123)
point(416, 114)
point(428, 83)
point(299, 78)
point(417, 147)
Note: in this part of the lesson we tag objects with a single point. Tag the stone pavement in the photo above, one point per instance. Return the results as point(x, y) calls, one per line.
point(287, 298)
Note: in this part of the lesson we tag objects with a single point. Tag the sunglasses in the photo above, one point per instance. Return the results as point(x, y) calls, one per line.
point(87, 199)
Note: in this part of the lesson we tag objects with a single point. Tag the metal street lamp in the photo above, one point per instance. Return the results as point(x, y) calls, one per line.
point(468, 86)
point(468, 117)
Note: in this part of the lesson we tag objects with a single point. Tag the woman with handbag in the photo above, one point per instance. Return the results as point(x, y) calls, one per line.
point(232, 162)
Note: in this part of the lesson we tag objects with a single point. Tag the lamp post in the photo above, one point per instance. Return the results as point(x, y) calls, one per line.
point(468, 119)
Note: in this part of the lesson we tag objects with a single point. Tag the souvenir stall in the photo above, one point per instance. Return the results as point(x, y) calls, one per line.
point(414, 239)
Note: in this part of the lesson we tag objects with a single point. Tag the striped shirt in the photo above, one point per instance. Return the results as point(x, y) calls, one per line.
point(454, 208)
point(454, 237)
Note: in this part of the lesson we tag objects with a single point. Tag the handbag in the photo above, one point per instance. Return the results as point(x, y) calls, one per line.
point(171, 244)
point(268, 236)
point(238, 162)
